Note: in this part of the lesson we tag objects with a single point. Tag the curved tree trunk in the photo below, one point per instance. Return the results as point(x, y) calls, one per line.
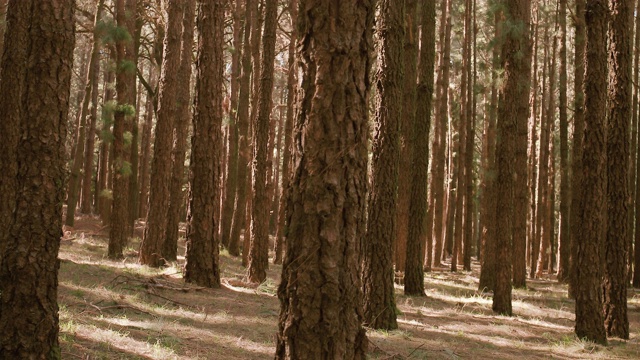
point(326, 212)
point(36, 74)
point(202, 258)
point(377, 266)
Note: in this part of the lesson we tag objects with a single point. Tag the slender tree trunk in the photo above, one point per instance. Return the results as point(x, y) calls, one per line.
point(328, 69)
point(470, 137)
point(439, 147)
point(104, 197)
point(565, 194)
point(259, 252)
point(244, 151)
point(181, 125)
point(615, 282)
point(125, 88)
point(232, 139)
point(461, 143)
point(288, 128)
point(414, 273)
point(377, 266)
point(202, 258)
point(145, 158)
point(633, 158)
point(407, 118)
point(37, 64)
point(590, 254)
point(533, 137)
point(487, 270)
point(578, 141)
point(513, 109)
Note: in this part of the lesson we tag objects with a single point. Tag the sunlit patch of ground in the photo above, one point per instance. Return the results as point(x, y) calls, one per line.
point(122, 310)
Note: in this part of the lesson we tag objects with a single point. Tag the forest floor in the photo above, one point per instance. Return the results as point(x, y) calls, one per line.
point(122, 310)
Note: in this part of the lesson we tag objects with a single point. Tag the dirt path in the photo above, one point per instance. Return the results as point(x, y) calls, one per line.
point(121, 310)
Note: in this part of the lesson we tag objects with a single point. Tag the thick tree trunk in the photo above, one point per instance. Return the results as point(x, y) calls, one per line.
point(513, 108)
point(414, 273)
point(634, 204)
point(202, 258)
point(326, 215)
point(615, 282)
point(181, 130)
point(593, 225)
point(259, 252)
point(155, 231)
point(125, 88)
point(377, 266)
point(37, 64)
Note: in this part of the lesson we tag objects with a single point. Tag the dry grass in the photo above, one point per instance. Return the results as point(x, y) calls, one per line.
point(121, 310)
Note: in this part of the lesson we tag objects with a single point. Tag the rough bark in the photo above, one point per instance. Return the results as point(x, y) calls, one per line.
point(591, 213)
point(202, 258)
point(326, 216)
point(259, 252)
point(181, 131)
point(615, 281)
point(37, 65)
point(513, 109)
point(125, 88)
point(377, 266)
point(633, 172)
point(414, 273)
point(3, 25)
point(156, 225)
point(470, 139)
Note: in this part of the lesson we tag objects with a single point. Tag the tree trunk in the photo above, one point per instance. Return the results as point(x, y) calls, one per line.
point(104, 197)
point(414, 273)
point(202, 258)
point(513, 109)
point(288, 129)
point(181, 127)
point(470, 137)
point(3, 25)
point(406, 120)
point(634, 204)
point(326, 212)
point(244, 152)
point(615, 282)
point(377, 266)
point(565, 194)
point(578, 141)
point(589, 260)
point(226, 216)
point(437, 200)
point(125, 88)
point(156, 226)
point(259, 252)
point(36, 74)
point(145, 158)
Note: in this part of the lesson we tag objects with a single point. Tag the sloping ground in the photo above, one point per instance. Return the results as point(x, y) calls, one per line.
point(121, 310)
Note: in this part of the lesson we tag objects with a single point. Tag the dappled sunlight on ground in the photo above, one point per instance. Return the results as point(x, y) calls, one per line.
point(122, 310)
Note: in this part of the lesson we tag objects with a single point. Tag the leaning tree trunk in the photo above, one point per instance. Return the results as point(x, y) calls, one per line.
point(202, 258)
point(377, 265)
point(326, 216)
point(615, 282)
point(590, 248)
point(414, 273)
point(36, 74)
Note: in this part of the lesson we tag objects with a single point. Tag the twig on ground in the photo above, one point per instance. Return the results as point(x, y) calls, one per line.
point(414, 350)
